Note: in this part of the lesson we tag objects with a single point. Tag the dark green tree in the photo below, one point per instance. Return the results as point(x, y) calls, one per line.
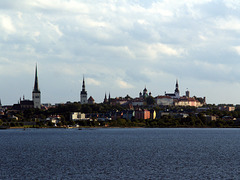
point(150, 100)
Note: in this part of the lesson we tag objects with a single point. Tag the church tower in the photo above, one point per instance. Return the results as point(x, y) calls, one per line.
point(36, 94)
point(83, 94)
point(105, 101)
point(177, 93)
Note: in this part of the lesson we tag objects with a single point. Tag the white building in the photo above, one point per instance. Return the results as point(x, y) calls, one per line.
point(76, 116)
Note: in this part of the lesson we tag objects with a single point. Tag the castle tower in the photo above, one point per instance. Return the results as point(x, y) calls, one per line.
point(36, 94)
point(83, 94)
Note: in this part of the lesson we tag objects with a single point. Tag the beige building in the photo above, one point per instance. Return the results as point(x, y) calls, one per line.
point(188, 101)
point(76, 116)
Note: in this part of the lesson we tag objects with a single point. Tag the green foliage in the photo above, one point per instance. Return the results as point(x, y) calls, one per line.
point(150, 100)
point(195, 119)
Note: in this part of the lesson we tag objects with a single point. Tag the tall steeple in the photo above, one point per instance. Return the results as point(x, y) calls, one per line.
point(83, 94)
point(36, 94)
point(105, 99)
point(177, 93)
point(109, 98)
point(36, 89)
point(83, 84)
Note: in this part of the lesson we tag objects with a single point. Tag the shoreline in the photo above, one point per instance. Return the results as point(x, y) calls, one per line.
point(84, 127)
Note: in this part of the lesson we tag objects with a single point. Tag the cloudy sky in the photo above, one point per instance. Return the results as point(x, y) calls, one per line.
point(120, 46)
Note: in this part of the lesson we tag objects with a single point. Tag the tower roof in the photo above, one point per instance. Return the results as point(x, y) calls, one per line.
point(83, 87)
point(36, 89)
point(177, 87)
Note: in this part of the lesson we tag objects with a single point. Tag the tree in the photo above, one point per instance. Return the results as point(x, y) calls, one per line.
point(150, 100)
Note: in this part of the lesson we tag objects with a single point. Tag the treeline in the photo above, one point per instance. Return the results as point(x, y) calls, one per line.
point(194, 118)
point(170, 122)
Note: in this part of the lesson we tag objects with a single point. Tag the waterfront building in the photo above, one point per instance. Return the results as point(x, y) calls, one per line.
point(36, 94)
point(76, 116)
point(83, 94)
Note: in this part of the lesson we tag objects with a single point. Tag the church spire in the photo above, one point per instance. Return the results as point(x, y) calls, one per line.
point(105, 99)
point(177, 93)
point(83, 94)
point(83, 85)
point(36, 81)
point(36, 94)
point(109, 98)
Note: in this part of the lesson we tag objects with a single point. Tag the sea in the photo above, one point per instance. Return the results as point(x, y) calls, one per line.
point(120, 153)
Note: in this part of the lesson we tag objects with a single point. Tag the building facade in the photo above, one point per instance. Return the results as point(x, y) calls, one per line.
point(164, 101)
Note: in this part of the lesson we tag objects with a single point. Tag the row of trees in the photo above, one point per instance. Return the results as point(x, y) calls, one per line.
point(193, 120)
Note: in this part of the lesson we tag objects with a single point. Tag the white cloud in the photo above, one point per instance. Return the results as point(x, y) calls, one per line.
point(121, 43)
point(155, 50)
point(6, 24)
point(233, 4)
point(228, 23)
point(55, 28)
point(72, 6)
point(92, 81)
point(236, 49)
point(209, 67)
point(123, 84)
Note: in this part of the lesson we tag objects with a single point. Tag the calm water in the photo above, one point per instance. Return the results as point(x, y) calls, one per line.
point(120, 154)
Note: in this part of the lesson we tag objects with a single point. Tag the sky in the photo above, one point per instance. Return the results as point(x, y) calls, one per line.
point(120, 46)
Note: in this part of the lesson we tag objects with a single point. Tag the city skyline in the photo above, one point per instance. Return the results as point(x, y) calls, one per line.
point(120, 47)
